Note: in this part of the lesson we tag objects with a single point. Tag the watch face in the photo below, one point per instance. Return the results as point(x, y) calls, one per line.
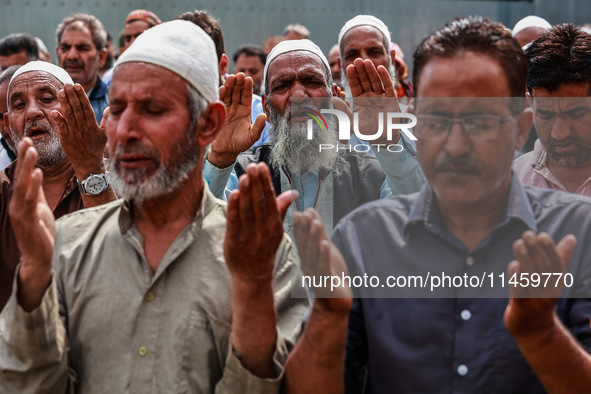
point(95, 185)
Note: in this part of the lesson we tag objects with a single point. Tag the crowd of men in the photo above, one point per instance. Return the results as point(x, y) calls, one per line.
point(159, 216)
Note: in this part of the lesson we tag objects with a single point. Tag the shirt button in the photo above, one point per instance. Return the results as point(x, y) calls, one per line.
point(142, 351)
point(149, 296)
point(466, 315)
point(462, 370)
point(403, 157)
point(470, 261)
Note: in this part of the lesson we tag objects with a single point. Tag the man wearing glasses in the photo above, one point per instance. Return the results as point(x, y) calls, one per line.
point(561, 158)
point(409, 329)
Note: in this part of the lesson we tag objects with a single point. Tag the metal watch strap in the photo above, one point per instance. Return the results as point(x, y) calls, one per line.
point(82, 185)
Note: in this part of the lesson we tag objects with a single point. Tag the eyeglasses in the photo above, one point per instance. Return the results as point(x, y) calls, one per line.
point(476, 127)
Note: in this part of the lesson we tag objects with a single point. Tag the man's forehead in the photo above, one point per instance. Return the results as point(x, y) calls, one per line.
point(249, 58)
point(129, 79)
point(295, 61)
point(77, 30)
point(364, 32)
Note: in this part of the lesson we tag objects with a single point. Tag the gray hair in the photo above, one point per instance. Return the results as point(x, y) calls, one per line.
point(99, 34)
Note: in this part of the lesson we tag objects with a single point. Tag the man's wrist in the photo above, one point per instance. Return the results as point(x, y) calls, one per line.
point(221, 160)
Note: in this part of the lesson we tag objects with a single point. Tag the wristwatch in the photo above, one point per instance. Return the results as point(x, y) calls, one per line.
point(95, 184)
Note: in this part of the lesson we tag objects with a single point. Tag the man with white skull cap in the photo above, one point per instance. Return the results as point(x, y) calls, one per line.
point(529, 28)
point(334, 181)
point(150, 299)
point(46, 110)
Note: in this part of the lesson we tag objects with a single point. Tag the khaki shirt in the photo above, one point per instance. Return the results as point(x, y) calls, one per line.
point(108, 325)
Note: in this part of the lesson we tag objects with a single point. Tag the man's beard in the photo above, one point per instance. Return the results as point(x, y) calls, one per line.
point(579, 155)
point(137, 184)
point(49, 148)
point(291, 148)
point(347, 87)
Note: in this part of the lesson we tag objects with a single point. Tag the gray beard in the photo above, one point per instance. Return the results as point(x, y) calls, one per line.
point(347, 88)
point(49, 149)
point(293, 151)
point(136, 184)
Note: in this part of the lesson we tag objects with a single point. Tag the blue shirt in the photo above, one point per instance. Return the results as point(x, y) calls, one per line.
point(256, 110)
point(451, 345)
point(99, 99)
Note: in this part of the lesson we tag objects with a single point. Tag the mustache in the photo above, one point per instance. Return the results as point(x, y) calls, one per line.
point(136, 148)
point(571, 139)
point(462, 163)
point(73, 63)
point(37, 125)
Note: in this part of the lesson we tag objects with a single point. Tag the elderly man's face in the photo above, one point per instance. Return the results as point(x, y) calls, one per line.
point(300, 75)
point(295, 74)
point(78, 55)
point(562, 119)
point(461, 168)
point(365, 42)
point(151, 140)
point(32, 98)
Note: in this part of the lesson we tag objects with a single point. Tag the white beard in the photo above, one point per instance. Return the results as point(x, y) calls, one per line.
point(293, 151)
point(136, 184)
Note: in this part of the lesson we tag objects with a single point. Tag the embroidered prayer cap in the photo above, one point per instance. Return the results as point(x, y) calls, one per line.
point(143, 15)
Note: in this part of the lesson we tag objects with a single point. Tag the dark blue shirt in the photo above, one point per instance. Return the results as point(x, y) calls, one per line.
point(99, 99)
point(451, 345)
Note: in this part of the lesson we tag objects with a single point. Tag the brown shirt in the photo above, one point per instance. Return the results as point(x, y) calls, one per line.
point(9, 254)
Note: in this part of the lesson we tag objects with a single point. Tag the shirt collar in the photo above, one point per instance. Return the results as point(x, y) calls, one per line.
point(425, 209)
point(540, 157)
point(70, 187)
point(99, 90)
point(208, 203)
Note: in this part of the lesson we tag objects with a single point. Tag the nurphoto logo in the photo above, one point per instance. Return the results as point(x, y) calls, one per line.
point(344, 129)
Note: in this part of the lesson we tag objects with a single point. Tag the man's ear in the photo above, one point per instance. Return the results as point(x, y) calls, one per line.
point(530, 98)
point(102, 57)
point(211, 123)
point(265, 103)
point(524, 122)
point(223, 65)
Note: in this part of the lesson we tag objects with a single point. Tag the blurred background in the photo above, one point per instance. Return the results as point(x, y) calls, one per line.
point(251, 21)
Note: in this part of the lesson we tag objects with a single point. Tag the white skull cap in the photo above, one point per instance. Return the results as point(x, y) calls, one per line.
point(50, 68)
point(530, 21)
point(293, 46)
point(183, 48)
point(366, 20)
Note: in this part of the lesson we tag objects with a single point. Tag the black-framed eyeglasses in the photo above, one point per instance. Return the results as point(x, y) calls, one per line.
point(476, 127)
